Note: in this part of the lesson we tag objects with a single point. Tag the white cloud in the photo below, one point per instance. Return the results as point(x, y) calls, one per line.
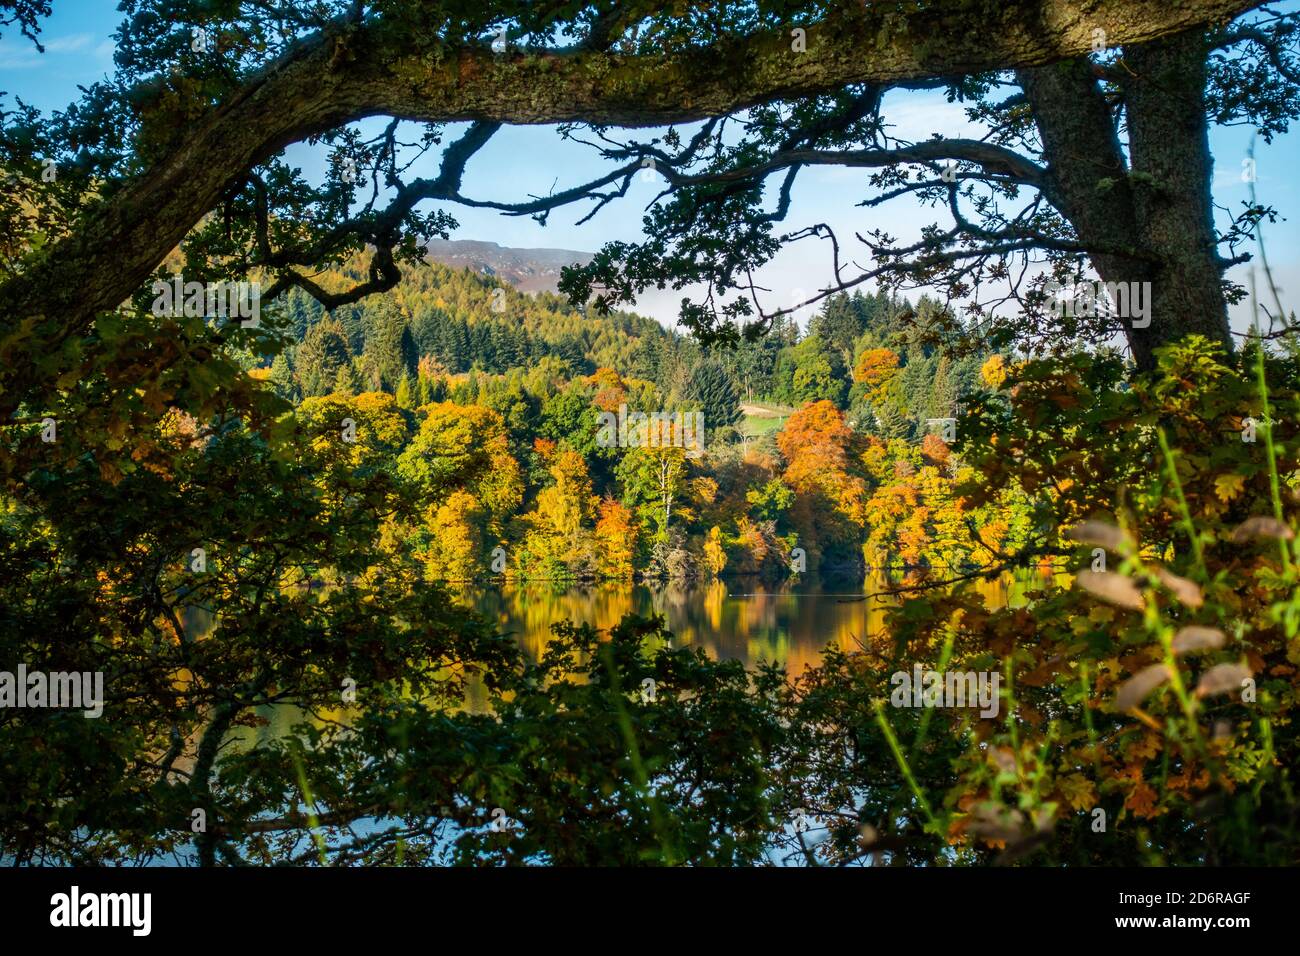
point(68, 44)
point(19, 58)
point(19, 53)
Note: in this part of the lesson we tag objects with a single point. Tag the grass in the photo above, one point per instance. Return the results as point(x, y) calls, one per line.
point(753, 426)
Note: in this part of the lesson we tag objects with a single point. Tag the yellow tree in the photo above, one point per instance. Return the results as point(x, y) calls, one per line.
point(715, 555)
point(558, 540)
point(876, 370)
point(457, 546)
point(470, 484)
point(616, 540)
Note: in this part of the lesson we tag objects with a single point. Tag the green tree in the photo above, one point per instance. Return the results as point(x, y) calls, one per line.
point(323, 351)
point(407, 392)
point(838, 324)
point(816, 374)
point(282, 379)
point(711, 389)
point(390, 353)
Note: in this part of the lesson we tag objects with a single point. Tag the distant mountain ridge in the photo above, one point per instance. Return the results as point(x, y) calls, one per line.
point(528, 270)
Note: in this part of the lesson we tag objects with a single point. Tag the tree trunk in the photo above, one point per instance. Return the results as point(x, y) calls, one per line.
point(1152, 214)
point(1169, 142)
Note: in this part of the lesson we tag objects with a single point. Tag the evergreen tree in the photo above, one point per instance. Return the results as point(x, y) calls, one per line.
point(323, 350)
point(838, 324)
point(888, 421)
point(347, 382)
point(943, 391)
point(711, 388)
point(281, 378)
point(432, 389)
point(427, 328)
point(406, 392)
point(754, 364)
point(505, 347)
point(462, 356)
point(482, 353)
point(390, 349)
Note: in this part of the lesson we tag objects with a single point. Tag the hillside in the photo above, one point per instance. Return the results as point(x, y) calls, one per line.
point(528, 270)
point(446, 321)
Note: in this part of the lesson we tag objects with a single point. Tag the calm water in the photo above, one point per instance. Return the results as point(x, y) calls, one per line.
point(743, 620)
point(788, 623)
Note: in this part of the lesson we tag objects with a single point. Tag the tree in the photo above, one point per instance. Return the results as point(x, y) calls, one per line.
point(839, 323)
point(457, 548)
point(616, 540)
point(347, 381)
point(377, 433)
point(815, 374)
point(710, 388)
point(943, 391)
point(323, 351)
point(464, 447)
point(570, 417)
point(390, 354)
point(558, 541)
point(829, 508)
point(754, 363)
point(281, 378)
point(654, 480)
point(120, 239)
point(406, 392)
point(877, 371)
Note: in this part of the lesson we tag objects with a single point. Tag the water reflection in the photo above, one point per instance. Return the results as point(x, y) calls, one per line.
point(744, 620)
point(789, 622)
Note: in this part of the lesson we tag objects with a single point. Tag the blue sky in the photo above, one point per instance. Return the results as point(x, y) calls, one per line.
point(523, 161)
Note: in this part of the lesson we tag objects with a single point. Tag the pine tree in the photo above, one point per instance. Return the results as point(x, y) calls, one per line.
point(483, 354)
point(711, 388)
point(838, 324)
point(281, 378)
point(462, 356)
point(505, 347)
point(323, 350)
point(943, 391)
point(406, 392)
point(347, 382)
point(390, 348)
point(889, 421)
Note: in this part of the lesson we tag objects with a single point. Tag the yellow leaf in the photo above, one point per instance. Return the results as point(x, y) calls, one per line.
point(1078, 790)
point(1228, 487)
point(1101, 615)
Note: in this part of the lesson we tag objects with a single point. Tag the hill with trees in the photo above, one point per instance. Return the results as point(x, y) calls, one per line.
point(858, 455)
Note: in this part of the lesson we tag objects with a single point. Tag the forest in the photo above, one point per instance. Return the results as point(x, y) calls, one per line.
point(253, 530)
point(456, 366)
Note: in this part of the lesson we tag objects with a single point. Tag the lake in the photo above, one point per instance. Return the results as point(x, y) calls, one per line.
point(789, 622)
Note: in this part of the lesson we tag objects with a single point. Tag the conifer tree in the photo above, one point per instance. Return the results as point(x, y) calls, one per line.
point(406, 392)
point(281, 378)
point(711, 388)
point(323, 350)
